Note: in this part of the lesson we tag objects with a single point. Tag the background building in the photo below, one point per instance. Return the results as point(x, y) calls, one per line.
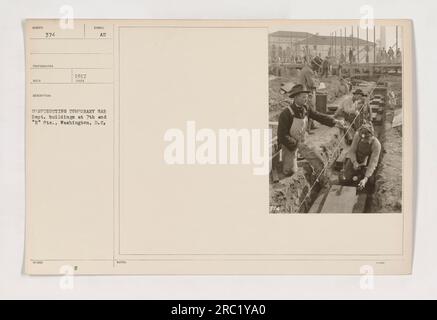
point(286, 46)
point(283, 44)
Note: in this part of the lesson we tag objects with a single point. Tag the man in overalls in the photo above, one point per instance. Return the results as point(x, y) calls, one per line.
point(363, 157)
point(292, 131)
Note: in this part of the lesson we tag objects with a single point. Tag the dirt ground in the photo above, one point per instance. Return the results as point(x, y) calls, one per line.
point(275, 97)
point(388, 186)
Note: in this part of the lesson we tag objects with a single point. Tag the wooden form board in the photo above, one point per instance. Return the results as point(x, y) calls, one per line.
point(339, 199)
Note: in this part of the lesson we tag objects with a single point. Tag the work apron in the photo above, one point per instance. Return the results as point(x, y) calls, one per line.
point(297, 131)
point(298, 128)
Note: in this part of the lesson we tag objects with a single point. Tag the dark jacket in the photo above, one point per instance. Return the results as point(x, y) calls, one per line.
point(286, 120)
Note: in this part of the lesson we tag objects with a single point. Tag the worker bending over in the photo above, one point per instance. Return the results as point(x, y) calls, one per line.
point(362, 158)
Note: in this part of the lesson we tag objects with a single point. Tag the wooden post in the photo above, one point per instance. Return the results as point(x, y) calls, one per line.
point(374, 50)
point(335, 45)
point(358, 44)
point(367, 45)
point(307, 53)
point(341, 43)
point(352, 39)
point(345, 44)
point(330, 44)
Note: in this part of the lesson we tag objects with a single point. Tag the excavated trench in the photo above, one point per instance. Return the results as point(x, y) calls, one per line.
point(387, 196)
point(296, 194)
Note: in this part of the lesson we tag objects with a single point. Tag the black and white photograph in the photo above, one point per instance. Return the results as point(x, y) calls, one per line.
point(335, 111)
point(238, 152)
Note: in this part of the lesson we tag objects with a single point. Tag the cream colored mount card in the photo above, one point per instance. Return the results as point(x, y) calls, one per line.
point(148, 148)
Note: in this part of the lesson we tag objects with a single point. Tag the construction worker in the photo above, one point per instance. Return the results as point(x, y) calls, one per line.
point(398, 56)
point(306, 76)
point(325, 68)
point(342, 57)
point(355, 111)
point(292, 131)
point(363, 157)
point(391, 55)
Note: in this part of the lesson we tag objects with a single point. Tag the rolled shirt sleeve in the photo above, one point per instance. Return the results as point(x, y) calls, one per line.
point(322, 118)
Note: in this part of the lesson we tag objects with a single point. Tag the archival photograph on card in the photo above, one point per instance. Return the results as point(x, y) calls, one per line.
point(150, 148)
point(335, 110)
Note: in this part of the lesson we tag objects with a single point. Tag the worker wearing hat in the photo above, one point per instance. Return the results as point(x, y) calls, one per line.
point(292, 131)
point(363, 157)
point(355, 111)
point(358, 93)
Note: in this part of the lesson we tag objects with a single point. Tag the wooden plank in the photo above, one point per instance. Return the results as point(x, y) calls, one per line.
point(340, 199)
point(318, 203)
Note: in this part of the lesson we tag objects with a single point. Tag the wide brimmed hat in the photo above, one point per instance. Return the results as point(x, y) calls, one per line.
point(359, 91)
point(297, 89)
